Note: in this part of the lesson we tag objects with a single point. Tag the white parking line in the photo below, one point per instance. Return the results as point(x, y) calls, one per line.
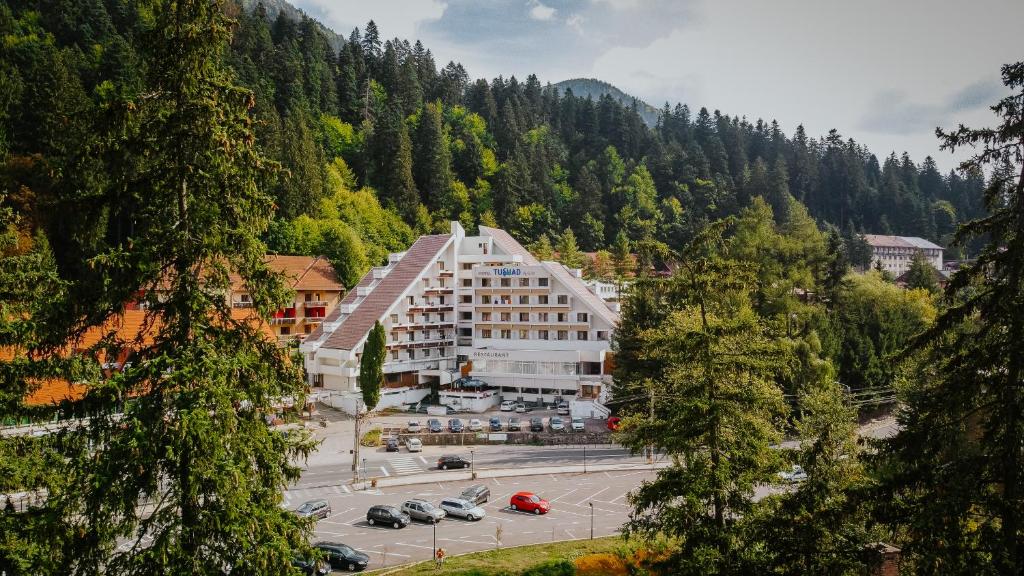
point(346, 489)
point(424, 460)
point(385, 471)
point(414, 545)
point(593, 496)
point(497, 482)
point(564, 495)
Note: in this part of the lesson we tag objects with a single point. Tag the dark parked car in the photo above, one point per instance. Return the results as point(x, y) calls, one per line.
point(434, 425)
point(495, 424)
point(446, 462)
point(477, 494)
point(391, 444)
point(314, 508)
point(536, 424)
point(455, 425)
point(388, 516)
point(514, 424)
point(311, 567)
point(342, 556)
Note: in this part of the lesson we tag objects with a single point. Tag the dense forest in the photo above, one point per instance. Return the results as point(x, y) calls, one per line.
point(380, 143)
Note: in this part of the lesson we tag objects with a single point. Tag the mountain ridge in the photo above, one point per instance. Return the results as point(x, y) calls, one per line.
point(595, 88)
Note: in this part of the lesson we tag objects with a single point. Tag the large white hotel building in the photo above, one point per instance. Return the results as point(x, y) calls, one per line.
point(470, 306)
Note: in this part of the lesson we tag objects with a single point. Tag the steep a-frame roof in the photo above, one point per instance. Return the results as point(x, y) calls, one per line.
point(592, 301)
point(355, 326)
point(509, 244)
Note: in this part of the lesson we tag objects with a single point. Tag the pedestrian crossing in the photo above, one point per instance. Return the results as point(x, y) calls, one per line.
point(408, 464)
point(293, 498)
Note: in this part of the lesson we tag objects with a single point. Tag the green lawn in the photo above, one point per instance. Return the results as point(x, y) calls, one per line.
point(514, 560)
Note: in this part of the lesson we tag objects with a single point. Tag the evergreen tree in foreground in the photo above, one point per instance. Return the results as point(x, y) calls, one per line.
point(183, 428)
point(371, 366)
point(954, 476)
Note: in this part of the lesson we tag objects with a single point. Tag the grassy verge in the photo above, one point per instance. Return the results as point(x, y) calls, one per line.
point(514, 561)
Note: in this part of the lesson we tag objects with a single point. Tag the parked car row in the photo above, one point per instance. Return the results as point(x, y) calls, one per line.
point(494, 424)
point(466, 506)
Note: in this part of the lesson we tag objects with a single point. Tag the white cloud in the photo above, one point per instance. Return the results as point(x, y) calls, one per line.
point(619, 4)
point(575, 21)
point(539, 11)
point(394, 18)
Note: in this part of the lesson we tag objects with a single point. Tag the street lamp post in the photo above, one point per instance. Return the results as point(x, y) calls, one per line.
point(364, 469)
point(591, 520)
point(472, 462)
point(434, 549)
point(585, 460)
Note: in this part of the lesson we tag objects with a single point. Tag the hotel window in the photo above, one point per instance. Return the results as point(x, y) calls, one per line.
point(542, 334)
point(561, 316)
point(581, 316)
point(524, 282)
point(542, 299)
point(506, 282)
point(563, 299)
point(466, 332)
point(440, 265)
point(506, 298)
point(542, 316)
point(542, 281)
point(394, 336)
point(411, 301)
point(440, 351)
point(602, 335)
point(485, 316)
point(506, 334)
point(582, 335)
point(465, 315)
point(285, 331)
point(485, 282)
point(524, 299)
point(467, 265)
point(426, 318)
point(412, 354)
point(412, 336)
point(485, 299)
point(441, 317)
point(467, 282)
point(524, 316)
point(506, 316)
point(412, 318)
point(563, 334)
point(485, 333)
point(524, 334)
point(394, 355)
point(466, 299)
point(426, 352)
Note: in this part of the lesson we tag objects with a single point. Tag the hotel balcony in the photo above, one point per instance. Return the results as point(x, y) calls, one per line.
point(439, 290)
point(420, 344)
point(284, 316)
point(315, 304)
point(431, 307)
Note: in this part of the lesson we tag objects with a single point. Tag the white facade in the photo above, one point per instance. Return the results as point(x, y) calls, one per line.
point(895, 253)
point(480, 306)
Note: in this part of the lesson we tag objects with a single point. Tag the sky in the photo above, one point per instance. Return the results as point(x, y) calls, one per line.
point(883, 72)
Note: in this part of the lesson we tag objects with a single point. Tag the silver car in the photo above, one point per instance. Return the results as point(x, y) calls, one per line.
point(462, 509)
point(422, 510)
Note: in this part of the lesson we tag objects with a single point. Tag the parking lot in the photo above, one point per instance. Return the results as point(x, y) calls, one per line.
point(571, 496)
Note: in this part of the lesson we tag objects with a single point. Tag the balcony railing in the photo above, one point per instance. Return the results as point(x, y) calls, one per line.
point(242, 304)
point(282, 320)
point(315, 303)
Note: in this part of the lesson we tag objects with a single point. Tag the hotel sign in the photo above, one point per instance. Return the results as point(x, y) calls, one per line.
point(508, 271)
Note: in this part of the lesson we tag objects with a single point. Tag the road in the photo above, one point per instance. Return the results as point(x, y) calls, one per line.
point(384, 464)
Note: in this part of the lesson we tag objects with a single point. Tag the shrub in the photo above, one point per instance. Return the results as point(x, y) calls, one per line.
point(553, 568)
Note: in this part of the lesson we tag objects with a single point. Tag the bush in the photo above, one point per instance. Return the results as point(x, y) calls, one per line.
point(601, 565)
point(555, 568)
point(371, 439)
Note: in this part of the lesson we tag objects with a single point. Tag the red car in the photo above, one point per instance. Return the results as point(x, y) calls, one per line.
point(613, 423)
point(529, 502)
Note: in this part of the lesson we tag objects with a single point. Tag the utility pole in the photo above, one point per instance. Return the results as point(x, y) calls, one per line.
point(355, 445)
point(650, 393)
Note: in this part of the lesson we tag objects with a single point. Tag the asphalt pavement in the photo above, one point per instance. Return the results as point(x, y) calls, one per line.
point(571, 496)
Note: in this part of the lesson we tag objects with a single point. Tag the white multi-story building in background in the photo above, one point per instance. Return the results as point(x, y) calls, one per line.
point(896, 252)
point(480, 307)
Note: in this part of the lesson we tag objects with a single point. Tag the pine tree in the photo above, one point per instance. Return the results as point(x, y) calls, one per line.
point(715, 413)
point(955, 472)
point(568, 252)
point(622, 259)
point(432, 161)
point(393, 175)
point(922, 274)
point(193, 441)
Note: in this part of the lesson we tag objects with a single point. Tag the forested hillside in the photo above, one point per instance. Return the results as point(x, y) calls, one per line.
point(380, 142)
point(594, 89)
